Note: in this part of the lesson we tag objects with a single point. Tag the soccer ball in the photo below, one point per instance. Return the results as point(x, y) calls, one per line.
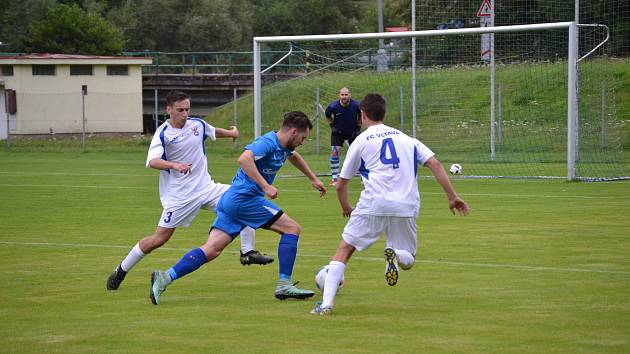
point(455, 169)
point(320, 278)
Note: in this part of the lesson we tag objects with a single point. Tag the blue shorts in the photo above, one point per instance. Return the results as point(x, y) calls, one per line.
point(235, 211)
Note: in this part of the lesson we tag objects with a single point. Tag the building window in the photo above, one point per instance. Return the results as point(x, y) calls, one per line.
point(7, 70)
point(117, 70)
point(80, 70)
point(44, 70)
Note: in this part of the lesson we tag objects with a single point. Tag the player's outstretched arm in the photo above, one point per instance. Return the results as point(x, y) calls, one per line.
point(248, 164)
point(160, 164)
point(342, 195)
point(455, 203)
point(298, 161)
point(227, 133)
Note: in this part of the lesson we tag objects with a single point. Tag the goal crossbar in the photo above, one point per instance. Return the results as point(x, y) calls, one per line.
point(409, 34)
point(571, 55)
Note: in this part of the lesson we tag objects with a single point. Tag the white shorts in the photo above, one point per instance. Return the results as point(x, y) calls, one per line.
point(184, 214)
point(362, 231)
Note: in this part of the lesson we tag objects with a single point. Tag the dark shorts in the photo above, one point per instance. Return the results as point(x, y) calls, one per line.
point(338, 138)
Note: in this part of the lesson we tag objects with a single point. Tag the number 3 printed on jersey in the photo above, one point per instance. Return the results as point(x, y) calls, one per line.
point(168, 217)
point(388, 148)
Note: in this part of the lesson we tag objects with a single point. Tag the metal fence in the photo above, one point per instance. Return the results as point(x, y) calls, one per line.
point(200, 63)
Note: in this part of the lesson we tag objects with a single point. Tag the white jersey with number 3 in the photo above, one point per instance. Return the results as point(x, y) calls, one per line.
point(388, 162)
point(185, 145)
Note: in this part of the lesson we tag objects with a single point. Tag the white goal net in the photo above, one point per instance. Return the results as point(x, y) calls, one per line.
point(513, 117)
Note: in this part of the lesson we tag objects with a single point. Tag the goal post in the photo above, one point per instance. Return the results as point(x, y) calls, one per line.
point(571, 72)
point(572, 126)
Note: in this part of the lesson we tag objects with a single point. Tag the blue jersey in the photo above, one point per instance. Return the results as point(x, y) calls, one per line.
point(346, 120)
point(269, 156)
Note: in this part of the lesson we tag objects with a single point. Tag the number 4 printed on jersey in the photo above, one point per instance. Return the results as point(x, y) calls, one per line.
point(388, 144)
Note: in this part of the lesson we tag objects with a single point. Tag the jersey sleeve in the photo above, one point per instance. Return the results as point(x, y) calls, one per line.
point(352, 161)
point(260, 148)
point(156, 149)
point(209, 130)
point(423, 153)
point(329, 111)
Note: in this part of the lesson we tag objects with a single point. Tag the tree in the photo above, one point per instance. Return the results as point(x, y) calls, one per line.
point(396, 13)
point(68, 29)
point(15, 21)
point(191, 25)
point(279, 17)
point(212, 25)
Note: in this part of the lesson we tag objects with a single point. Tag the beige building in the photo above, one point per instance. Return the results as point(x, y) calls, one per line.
point(43, 94)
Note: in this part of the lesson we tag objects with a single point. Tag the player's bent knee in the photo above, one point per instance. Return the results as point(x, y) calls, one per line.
point(294, 229)
point(286, 225)
point(212, 253)
point(158, 242)
point(150, 243)
point(217, 241)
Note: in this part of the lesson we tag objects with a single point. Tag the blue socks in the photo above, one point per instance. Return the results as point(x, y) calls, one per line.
point(195, 258)
point(287, 251)
point(334, 167)
point(191, 261)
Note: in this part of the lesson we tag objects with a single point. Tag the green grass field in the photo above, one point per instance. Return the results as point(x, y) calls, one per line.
point(537, 267)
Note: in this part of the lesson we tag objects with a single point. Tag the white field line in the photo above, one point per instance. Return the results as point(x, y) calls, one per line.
point(152, 175)
point(280, 190)
point(535, 195)
point(105, 186)
point(23, 174)
point(363, 258)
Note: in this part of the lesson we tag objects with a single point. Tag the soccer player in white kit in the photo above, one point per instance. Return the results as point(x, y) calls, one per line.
point(178, 151)
point(387, 160)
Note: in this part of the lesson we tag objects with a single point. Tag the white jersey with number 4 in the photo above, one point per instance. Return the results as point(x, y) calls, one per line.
point(388, 162)
point(185, 145)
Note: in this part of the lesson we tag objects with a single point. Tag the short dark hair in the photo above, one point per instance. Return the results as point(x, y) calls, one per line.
point(296, 119)
point(176, 96)
point(374, 106)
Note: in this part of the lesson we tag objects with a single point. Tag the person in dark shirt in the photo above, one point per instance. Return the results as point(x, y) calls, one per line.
point(344, 118)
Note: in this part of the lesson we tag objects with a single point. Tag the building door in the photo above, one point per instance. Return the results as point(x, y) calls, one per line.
point(4, 130)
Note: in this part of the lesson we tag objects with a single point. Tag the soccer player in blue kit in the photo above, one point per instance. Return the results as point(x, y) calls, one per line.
point(344, 118)
point(243, 205)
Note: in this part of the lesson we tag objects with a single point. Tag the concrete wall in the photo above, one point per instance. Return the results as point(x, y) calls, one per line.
point(53, 103)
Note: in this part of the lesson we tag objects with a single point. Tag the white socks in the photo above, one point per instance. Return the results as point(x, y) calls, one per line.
point(247, 240)
point(335, 274)
point(134, 256)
